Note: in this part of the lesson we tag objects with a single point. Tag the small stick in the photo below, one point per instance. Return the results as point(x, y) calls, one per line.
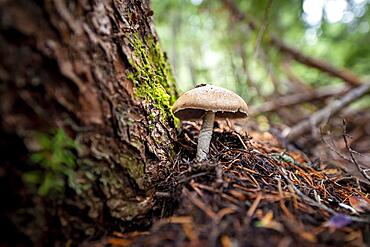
point(254, 205)
point(197, 202)
point(315, 203)
point(241, 140)
point(354, 161)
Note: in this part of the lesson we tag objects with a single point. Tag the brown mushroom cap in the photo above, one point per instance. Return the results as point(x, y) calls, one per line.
point(224, 103)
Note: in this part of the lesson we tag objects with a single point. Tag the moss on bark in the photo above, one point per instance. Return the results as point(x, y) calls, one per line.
point(152, 76)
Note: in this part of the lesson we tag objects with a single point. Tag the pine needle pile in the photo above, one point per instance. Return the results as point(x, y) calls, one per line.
point(252, 192)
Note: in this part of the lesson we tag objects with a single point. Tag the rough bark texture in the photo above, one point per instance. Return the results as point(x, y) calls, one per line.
point(95, 69)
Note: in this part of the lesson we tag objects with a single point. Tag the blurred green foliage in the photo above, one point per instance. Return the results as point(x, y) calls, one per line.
point(205, 44)
point(54, 163)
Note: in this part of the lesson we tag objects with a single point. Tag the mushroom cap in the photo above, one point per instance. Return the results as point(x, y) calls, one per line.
point(194, 103)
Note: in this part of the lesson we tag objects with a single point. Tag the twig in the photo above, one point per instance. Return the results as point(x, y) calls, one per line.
point(335, 150)
point(246, 70)
point(354, 161)
point(241, 140)
point(254, 205)
point(201, 205)
point(331, 109)
point(315, 203)
point(263, 29)
point(192, 177)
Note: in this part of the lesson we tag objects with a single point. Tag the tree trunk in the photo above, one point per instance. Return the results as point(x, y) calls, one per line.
point(95, 69)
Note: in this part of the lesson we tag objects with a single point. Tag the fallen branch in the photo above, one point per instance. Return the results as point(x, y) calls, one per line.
point(295, 99)
point(324, 114)
point(334, 149)
point(344, 74)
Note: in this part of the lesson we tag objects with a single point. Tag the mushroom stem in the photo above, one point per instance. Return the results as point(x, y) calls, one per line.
point(205, 135)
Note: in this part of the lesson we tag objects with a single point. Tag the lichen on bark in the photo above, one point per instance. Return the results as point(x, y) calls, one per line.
point(135, 168)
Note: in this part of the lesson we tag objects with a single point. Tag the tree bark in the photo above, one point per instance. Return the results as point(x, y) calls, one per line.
point(95, 69)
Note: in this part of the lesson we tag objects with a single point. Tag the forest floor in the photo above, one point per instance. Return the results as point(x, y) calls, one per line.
point(253, 192)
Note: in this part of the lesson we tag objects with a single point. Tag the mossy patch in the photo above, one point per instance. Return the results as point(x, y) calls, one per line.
point(152, 76)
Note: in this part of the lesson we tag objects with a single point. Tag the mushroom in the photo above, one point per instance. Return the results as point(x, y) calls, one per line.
point(208, 102)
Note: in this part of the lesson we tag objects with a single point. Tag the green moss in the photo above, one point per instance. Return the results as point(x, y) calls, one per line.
point(152, 77)
point(177, 122)
point(151, 116)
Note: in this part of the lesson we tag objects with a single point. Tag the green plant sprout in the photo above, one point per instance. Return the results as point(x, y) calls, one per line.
point(55, 162)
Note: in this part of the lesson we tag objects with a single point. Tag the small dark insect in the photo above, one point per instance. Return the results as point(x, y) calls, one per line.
point(201, 85)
